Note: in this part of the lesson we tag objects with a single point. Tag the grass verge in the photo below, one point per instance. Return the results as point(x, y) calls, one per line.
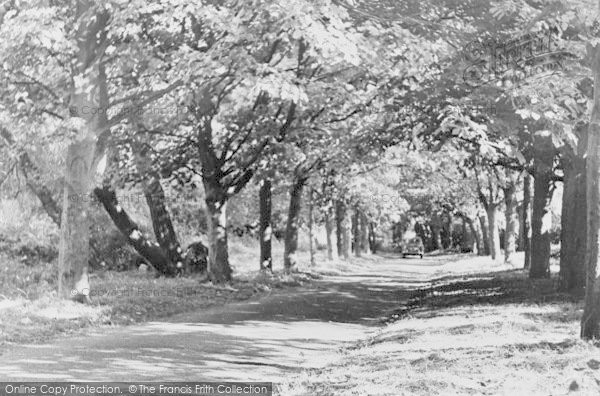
point(30, 311)
point(499, 334)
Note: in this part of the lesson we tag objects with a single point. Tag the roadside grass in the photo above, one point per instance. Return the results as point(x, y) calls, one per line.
point(494, 334)
point(30, 311)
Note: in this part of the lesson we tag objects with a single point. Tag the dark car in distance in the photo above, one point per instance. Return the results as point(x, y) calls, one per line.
point(414, 247)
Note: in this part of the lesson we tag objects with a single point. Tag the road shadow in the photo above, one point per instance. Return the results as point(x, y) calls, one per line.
point(496, 288)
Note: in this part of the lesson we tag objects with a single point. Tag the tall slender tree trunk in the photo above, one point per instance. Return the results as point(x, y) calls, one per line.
point(573, 235)
point(590, 321)
point(541, 218)
point(526, 219)
point(372, 238)
point(339, 231)
point(89, 90)
point(331, 234)
point(150, 251)
point(356, 232)
point(364, 233)
point(73, 280)
point(512, 223)
point(483, 224)
point(573, 227)
point(290, 259)
point(448, 226)
point(521, 232)
point(346, 230)
point(436, 230)
point(466, 242)
point(493, 232)
point(265, 231)
point(311, 231)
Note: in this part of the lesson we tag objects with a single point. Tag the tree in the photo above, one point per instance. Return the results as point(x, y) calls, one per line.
point(509, 189)
point(265, 233)
point(590, 321)
point(573, 216)
point(82, 85)
point(542, 196)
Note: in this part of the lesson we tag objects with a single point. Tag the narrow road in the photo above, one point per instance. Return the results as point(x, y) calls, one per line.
point(260, 340)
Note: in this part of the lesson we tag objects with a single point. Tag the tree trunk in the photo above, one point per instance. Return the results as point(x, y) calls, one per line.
point(89, 90)
point(290, 259)
point(339, 215)
point(541, 219)
point(219, 270)
point(520, 232)
point(466, 240)
point(364, 233)
point(590, 321)
point(155, 197)
point(512, 223)
point(161, 220)
point(73, 281)
point(476, 234)
point(346, 230)
point(436, 229)
point(331, 234)
point(372, 238)
point(150, 251)
point(356, 232)
point(265, 227)
point(573, 228)
point(526, 219)
point(448, 226)
point(311, 231)
point(437, 238)
point(483, 223)
point(493, 233)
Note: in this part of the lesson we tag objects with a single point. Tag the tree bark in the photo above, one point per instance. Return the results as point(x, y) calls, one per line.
point(161, 219)
point(73, 280)
point(466, 239)
point(590, 321)
point(311, 231)
point(339, 215)
point(150, 251)
point(89, 90)
point(573, 229)
point(541, 218)
point(346, 230)
point(436, 229)
point(356, 232)
point(493, 233)
point(476, 234)
point(526, 219)
point(483, 224)
point(290, 259)
point(219, 270)
point(364, 233)
point(512, 222)
point(448, 226)
point(265, 230)
point(331, 234)
point(372, 238)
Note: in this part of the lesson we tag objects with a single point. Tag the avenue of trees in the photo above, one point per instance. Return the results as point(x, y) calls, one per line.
point(367, 114)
